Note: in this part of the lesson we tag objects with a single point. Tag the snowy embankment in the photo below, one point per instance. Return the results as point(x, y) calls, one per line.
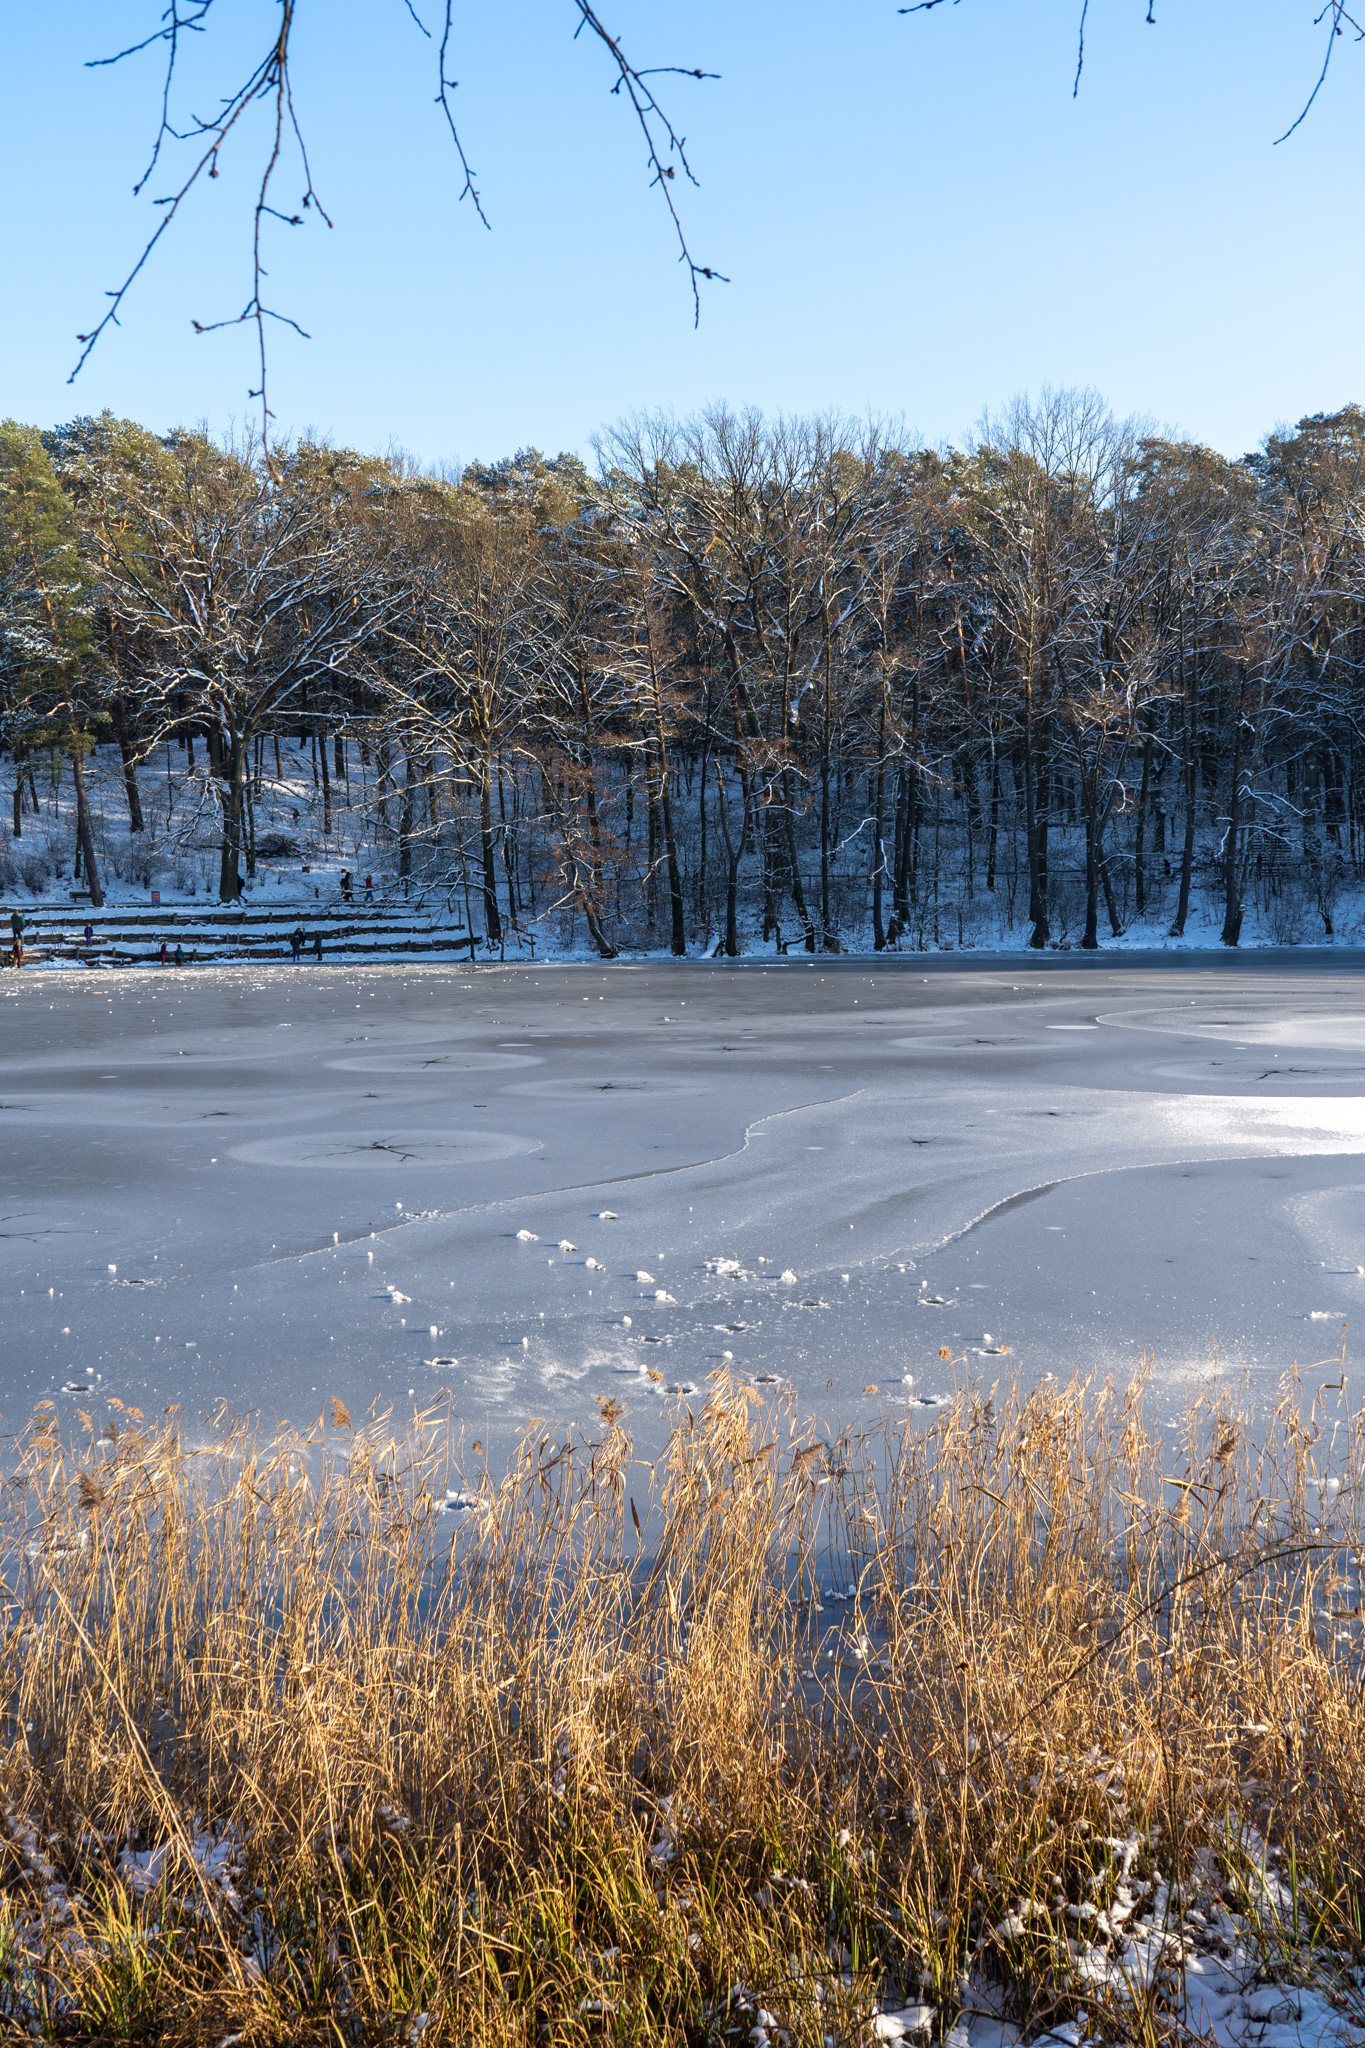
point(333, 862)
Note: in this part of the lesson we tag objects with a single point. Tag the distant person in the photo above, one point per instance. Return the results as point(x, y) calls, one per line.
point(16, 951)
point(89, 933)
point(345, 886)
point(163, 952)
point(296, 940)
point(17, 921)
point(369, 888)
point(317, 945)
point(179, 954)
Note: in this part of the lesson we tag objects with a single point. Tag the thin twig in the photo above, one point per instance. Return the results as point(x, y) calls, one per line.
point(661, 138)
point(1338, 13)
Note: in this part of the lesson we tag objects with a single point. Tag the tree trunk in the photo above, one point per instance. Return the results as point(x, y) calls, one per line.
point(488, 854)
point(592, 897)
point(513, 908)
point(675, 890)
point(22, 768)
point(900, 880)
point(87, 844)
point(994, 834)
point(1115, 921)
point(734, 854)
point(793, 868)
point(234, 776)
point(605, 948)
point(1091, 940)
point(1232, 894)
point(1037, 883)
point(1139, 851)
point(703, 890)
point(1191, 789)
point(878, 850)
point(826, 921)
point(767, 867)
point(405, 817)
point(1312, 843)
point(1097, 824)
point(129, 759)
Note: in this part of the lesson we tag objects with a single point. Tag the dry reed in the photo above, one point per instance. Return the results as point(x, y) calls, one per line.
point(303, 1744)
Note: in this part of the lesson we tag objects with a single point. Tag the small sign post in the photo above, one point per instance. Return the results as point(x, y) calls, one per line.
point(156, 896)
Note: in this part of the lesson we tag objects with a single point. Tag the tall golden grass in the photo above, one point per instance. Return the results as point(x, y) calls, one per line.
point(305, 1743)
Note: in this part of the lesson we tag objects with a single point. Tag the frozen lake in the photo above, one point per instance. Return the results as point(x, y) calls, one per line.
point(268, 1187)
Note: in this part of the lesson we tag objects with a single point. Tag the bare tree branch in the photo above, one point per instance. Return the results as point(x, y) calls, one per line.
point(1338, 15)
point(270, 80)
point(1334, 12)
point(446, 86)
point(661, 139)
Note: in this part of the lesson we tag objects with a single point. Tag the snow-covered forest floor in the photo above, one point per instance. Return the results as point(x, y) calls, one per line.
point(304, 841)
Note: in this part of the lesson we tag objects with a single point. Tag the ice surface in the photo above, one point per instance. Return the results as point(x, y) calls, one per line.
point(1182, 1179)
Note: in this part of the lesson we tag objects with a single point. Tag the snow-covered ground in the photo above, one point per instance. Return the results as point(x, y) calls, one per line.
point(305, 840)
point(522, 1189)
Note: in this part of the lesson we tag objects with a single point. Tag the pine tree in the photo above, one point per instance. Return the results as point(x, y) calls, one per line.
point(48, 676)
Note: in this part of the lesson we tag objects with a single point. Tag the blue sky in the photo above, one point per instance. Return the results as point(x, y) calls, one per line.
point(917, 219)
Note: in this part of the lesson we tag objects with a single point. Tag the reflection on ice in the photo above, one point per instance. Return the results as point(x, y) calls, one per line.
point(1188, 1224)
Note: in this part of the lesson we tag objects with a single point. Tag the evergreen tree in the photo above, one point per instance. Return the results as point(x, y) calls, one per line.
point(49, 695)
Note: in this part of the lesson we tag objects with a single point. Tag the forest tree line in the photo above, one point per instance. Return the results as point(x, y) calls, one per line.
point(795, 677)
